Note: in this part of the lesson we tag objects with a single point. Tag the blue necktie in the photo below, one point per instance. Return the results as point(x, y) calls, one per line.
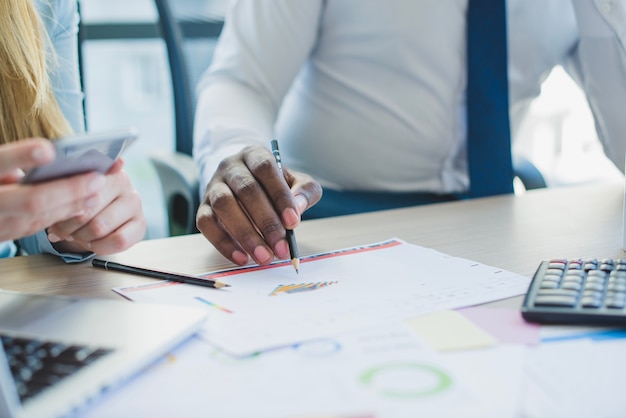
point(488, 132)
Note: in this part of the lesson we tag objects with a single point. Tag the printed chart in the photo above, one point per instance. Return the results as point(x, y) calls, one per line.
point(271, 306)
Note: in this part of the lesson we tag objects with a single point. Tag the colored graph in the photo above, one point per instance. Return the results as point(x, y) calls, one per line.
point(208, 302)
point(406, 380)
point(300, 287)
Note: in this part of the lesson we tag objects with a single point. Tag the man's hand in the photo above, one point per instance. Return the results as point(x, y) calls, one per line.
point(249, 203)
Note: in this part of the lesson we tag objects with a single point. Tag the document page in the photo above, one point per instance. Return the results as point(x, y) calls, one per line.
point(272, 306)
point(379, 372)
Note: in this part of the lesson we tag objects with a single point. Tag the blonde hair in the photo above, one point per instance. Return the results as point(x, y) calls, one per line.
point(27, 104)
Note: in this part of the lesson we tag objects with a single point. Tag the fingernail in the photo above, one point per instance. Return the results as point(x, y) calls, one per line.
point(290, 218)
point(239, 257)
point(42, 154)
point(70, 238)
point(97, 183)
point(53, 238)
point(262, 254)
point(302, 202)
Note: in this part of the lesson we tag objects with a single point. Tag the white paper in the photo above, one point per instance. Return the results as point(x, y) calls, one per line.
point(358, 287)
point(382, 372)
point(575, 378)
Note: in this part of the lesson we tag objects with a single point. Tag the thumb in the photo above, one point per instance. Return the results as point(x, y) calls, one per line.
point(24, 154)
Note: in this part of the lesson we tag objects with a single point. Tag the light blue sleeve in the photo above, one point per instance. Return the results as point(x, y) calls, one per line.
point(38, 244)
point(7, 249)
point(61, 20)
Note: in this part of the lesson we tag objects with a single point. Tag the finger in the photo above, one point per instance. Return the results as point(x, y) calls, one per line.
point(258, 208)
point(12, 176)
point(25, 154)
point(306, 191)
point(121, 239)
point(234, 219)
point(104, 223)
point(210, 227)
point(266, 171)
point(108, 206)
point(116, 167)
point(46, 203)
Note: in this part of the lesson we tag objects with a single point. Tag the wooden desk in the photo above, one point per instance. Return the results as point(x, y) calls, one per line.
point(514, 233)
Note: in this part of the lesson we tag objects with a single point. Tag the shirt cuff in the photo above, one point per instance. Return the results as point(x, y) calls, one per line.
point(39, 244)
point(7, 249)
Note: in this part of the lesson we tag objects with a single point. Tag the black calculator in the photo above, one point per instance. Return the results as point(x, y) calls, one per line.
point(578, 291)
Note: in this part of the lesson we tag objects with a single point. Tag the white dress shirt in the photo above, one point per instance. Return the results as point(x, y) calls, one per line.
point(370, 95)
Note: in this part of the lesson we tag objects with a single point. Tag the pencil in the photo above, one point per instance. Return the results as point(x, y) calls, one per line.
point(163, 275)
point(291, 237)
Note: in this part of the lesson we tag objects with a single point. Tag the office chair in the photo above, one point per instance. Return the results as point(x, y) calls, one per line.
point(176, 170)
point(528, 173)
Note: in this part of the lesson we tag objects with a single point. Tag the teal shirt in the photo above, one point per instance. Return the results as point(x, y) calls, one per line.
point(61, 19)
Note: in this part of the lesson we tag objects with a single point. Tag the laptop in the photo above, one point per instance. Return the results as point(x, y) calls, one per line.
point(58, 353)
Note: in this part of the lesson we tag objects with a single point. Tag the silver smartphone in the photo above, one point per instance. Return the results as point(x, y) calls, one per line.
point(83, 153)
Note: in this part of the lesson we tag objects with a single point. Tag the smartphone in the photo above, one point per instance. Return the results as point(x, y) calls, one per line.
point(83, 153)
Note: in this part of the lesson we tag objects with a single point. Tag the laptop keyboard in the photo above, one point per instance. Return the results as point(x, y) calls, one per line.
point(36, 364)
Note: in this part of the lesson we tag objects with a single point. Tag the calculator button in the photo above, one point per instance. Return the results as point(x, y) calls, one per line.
point(573, 279)
point(597, 273)
point(554, 272)
point(616, 303)
point(592, 294)
point(617, 280)
point(557, 292)
point(595, 281)
point(572, 285)
point(549, 284)
point(607, 267)
point(556, 265)
point(594, 286)
point(614, 278)
point(550, 300)
point(590, 267)
point(591, 302)
point(617, 287)
point(551, 278)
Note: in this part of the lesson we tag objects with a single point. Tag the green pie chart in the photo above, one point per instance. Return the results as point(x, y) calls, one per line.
point(406, 380)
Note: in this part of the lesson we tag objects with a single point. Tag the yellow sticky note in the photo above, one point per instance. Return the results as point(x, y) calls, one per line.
point(449, 330)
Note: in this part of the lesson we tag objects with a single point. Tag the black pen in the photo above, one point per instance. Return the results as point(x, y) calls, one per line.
point(291, 237)
point(163, 275)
